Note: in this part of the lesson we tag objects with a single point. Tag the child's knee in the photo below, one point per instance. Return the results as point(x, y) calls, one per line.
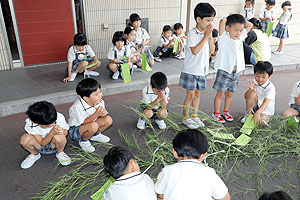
point(59, 139)
point(26, 139)
point(148, 113)
point(108, 120)
point(113, 67)
point(228, 94)
point(151, 62)
point(84, 63)
point(252, 95)
point(220, 94)
point(99, 63)
point(93, 127)
point(162, 113)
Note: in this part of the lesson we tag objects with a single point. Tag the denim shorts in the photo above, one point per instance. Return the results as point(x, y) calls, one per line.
point(192, 82)
point(47, 149)
point(76, 62)
point(296, 108)
point(226, 82)
point(74, 133)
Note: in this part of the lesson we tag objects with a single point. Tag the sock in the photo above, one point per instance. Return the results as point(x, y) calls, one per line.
point(186, 117)
point(225, 111)
point(194, 115)
point(37, 153)
point(216, 113)
point(96, 134)
point(83, 140)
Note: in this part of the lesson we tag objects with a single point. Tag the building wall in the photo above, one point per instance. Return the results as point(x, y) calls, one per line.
point(4, 56)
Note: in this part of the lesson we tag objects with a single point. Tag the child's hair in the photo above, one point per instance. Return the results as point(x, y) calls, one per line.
point(251, 1)
point(80, 39)
point(118, 36)
point(42, 112)
point(262, 67)
point(270, 2)
point(279, 195)
point(87, 86)
point(286, 3)
point(167, 28)
point(215, 32)
point(159, 80)
point(128, 30)
point(116, 161)
point(134, 17)
point(204, 10)
point(256, 23)
point(235, 19)
point(178, 26)
point(190, 143)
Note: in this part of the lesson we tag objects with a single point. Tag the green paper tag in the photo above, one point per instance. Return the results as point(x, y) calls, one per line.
point(126, 73)
point(99, 194)
point(224, 136)
point(248, 126)
point(293, 122)
point(175, 47)
point(145, 65)
point(91, 65)
point(269, 28)
point(242, 140)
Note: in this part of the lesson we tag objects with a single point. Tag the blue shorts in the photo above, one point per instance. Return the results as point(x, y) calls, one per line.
point(296, 107)
point(226, 82)
point(76, 62)
point(74, 133)
point(47, 149)
point(192, 82)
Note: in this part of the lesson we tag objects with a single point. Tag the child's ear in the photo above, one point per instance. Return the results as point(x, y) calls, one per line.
point(198, 19)
point(85, 98)
point(133, 165)
point(226, 28)
point(202, 157)
point(174, 153)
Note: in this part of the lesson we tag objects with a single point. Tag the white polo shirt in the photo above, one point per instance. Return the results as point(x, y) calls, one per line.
point(149, 96)
point(230, 53)
point(285, 17)
point(35, 129)
point(133, 186)
point(80, 110)
point(295, 92)
point(81, 54)
point(196, 64)
point(266, 90)
point(114, 53)
point(141, 35)
point(163, 41)
point(266, 13)
point(190, 179)
point(131, 46)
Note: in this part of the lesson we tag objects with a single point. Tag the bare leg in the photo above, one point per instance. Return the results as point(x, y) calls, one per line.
point(190, 94)
point(228, 100)
point(88, 130)
point(104, 123)
point(196, 102)
point(290, 112)
point(280, 46)
point(251, 101)
point(81, 66)
point(29, 143)
point(217, 101)
point(59, 141)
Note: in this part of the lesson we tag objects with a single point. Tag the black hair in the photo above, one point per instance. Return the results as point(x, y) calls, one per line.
point(251, 1)
point(80, 39)
point(204, 10)
point(286, 3)
point(235, 19)
point(159, 80)
point(178, 26)
point(262, 67)
point(279, 195)
point(118, 36)
point(87, 86)
point(134, 17)
point(270, 2)
point(128, 29)
point(42, 112)
point(190, 143)
point(215, 32)
point(167, 28)
point(116, 161)
point(256, 23)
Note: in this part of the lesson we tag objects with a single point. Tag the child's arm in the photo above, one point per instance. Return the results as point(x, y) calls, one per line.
point(207, 33)
point(145, 42)
point(160, 196)
point(297, 100)
point(251, 86)
point(170, 43)
point(100, 112)
point(56, 130)
point(248, 26)
point(163, 101)
point(222, 25)
point(66, 79)
point(264, 105)
point(114, 61)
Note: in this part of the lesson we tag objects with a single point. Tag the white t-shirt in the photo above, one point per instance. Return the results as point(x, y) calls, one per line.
point(120, 54)
point(133, 186)
point(80, 110)
point(88, 51)
point(230, 53)
point(163, 41)
point(266, 13)
point(149, 96)
point(35, 129)
point(248, 13)
point(285, 17)
point(295, 92)
point(141, 35)
point(196, 64)
point(266, 90)
point(189, 179)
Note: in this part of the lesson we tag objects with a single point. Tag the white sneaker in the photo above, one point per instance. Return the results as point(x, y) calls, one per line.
point(73, 76)
point(134, 66)
point(277, 52)
point(157, 59)
point(86, 146)
point(190, 123)
point(244, 119)
point(63, 158)
point(115, 76)
point(198, 121)
point(141, 124)
point(92, 73)
point(99, 137)
point(161, 124)
point(30, 160)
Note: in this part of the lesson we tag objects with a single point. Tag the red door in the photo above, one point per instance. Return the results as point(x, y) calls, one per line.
point(45, 28)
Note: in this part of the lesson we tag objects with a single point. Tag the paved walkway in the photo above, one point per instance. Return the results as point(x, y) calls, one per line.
point(21, 87)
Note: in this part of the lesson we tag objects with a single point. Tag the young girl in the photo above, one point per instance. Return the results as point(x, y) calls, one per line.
point(80, 55)
point(281, 30)
point(130, 34)
point(267, 14)
point(178, 33)
point(248, 10)
point(142, 37)
point(118, 54)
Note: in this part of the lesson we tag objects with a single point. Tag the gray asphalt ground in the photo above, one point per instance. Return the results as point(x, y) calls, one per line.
point(16, 183)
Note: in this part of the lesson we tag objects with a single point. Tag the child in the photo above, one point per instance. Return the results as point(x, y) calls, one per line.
point(179, 35)
point(281, 30)
point(189, 178)
point(279, 195)
point(118, 54)
point(46, 132)
point(130, 182)
point(81, 55)
point(214, 34)
point(294, 103)
point(260, 97)
point(130, 34)
point(88, 116)
point(266, 15)
point(199, 47)
point(248, 10)
point(165, 44)
point(142, 37)
point(229, 62)
point(156, 96)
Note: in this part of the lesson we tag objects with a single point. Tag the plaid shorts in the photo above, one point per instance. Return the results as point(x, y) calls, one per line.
point(74, 133)
point(192, 82)
point(226, 82)
point(148, 53)
point(47, 150)
point(296, 107)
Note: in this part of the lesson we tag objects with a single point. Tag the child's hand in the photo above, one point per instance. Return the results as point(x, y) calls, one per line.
point(58, 130)
point(67, 79)
point(252, 85)
point(208, 31)
point(273, 18)
point(256, 118)
point(101, 112)
point(174, 39)
point(116, 61)
point(162, 95)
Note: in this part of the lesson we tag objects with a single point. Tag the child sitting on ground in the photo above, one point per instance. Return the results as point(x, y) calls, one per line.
point(165, 44)
point(189, 178)
point(179, 35)
point(46, 132)
point(260, 97)
point(118, 54)
point(130, 34)
point(248, 10)
point(278, 195)
point(267, 14)
point(88, 116)
point(156, 96)
point(130, 182)
point(80, 55)
point(294, 103)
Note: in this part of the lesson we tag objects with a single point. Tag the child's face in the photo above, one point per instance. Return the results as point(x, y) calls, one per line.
point(205, 22)
point(269, 7)
point(235, 30)
point(95, 97)
point(167, 34)
point(79, 48)
point(157, 91)
point(131, 36)
point(136, 24)
point(261, 78)
point(248, 4)
point(119, 44)
point(179, 31)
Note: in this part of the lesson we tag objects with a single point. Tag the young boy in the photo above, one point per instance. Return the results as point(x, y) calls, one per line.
point(130, 182)
point(229, 62)
point(294, 103)
point(199, 47)
point(46, 132)
point(165, 44)
point(267, 14)
point(189, 178)
point(88, 116)
point(156, 96)
point(260, 97)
